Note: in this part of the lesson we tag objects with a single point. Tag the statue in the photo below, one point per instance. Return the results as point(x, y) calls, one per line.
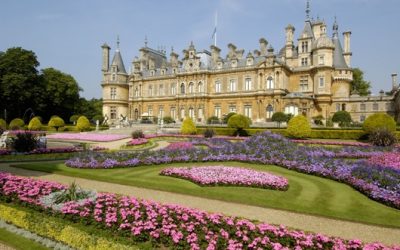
point(105, 121)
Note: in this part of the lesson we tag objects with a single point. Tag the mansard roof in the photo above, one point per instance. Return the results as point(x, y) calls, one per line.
point(117, 61)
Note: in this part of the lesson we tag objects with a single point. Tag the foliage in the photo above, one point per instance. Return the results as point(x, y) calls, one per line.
point(188, 127)
point(35, 124)
point(359, 85)
point(279, 117)
point(379, 120)
point(318, 120)
point(3, 124)
point(342, 117)
point(83, 123)
point(16, 124)
point(382, 137)
point(209, 133)
point(24, 142)
point(56, 122)
point(72, 193)
point(137, 134)
point(97, 118)
point(73, 119)
point(299, 127)
point(90, 108)
point(213, 120)
point(239, 122)
point(227, 116)
point(168, 120)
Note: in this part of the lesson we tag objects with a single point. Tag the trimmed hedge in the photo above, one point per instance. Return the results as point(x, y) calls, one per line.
point(35, 124)
point(16, 124)
point(83, 124)
point(3, 124)
point(188, 127)
point(379, 121)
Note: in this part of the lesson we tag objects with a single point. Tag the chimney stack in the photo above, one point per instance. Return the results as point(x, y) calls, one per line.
point(347, 53)
point(394, 81)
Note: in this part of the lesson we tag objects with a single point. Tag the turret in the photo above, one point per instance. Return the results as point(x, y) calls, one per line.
point(106, 57)
point(347, 53)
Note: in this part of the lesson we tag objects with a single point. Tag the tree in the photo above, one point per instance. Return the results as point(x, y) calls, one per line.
point(239, 122)
point(35, 124)
point(342, 117)
point(279, 117)
point(56, 122)
point(227, 116)
point(379, 121)
point(90, 108)
point(188, 127)
point(358, 84)
point(83, 123)
point(299, 127)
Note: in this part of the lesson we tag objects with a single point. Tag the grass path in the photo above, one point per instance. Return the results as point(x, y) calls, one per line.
point(340, 228)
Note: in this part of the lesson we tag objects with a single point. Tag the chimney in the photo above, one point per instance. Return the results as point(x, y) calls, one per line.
point(106, 57)
point(232, 50)
point(263, 46)
point(394, 81)
point(215, 53)
point(346, 52)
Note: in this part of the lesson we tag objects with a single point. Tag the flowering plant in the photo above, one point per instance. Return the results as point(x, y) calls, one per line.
point(137, 141)
point(87, 137)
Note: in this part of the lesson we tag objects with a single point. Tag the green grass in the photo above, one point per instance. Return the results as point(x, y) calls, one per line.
point(36, 157)
point(307, 194)
point(18, 242)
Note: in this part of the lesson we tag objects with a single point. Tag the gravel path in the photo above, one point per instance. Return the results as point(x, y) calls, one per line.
point(332, 227)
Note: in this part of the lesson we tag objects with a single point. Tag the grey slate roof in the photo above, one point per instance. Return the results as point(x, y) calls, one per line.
point(338, 58)
point(117, 61)
point(307, 30)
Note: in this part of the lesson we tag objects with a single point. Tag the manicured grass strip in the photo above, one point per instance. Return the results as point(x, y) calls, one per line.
point(306, 194)
point(19, 242)
point(36, 157)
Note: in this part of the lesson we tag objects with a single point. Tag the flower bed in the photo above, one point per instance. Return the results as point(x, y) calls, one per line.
point(179, 146)
point(138, 141)
point(87, 137)
point(391, 159)
point(339, 143)
point(228, 176)
point(178, 227)
point(50, 150)
point(150, 136)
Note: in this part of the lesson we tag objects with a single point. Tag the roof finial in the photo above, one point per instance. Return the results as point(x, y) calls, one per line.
point(172, 49)
point(117, 41)
point(145, 41)
point(308, 10)
point(335, 28)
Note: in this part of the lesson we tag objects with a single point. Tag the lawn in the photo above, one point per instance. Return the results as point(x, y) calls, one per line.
point(18, 242)
point(306, 194)
point(36, 157)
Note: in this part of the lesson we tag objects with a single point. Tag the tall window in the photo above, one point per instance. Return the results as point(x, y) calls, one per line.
point(136, 92)
point(182, 88)
point(375, 107)
point(270, 83)
point(337, 107)
point(182, 113)
point(150, 110)
point(191, 113)
point(304, 47)
point(322, 82)
point(191, 88)
point(173, 89)
point(218, 87)
point(200, 113)
point(150, 90)
point(321, 60)
point(304, 83)
point(200, 87)
point(270, 111)
point(232, 85)
point(362, 118)
point(304, 61)
point(292, 109)
point(113, 112)
point(217, 111)
point(161, 90)
point(363, 107)
point(113, 93)
point(232, 109)
point(247, 84)
point(161, 111)
point(173, 113)
point(247, 111)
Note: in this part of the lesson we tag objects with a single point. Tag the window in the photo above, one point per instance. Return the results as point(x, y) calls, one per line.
point(363, 107)
point(303, 83)
point(113, 112)
point(200, 113)
point(321, 60)
point(321, 82)
point(173, 89)
point(150, 110)
point(270, 83)
point(232, 109)
point(270, 111)
point(113, 77)
point(388, 106)
point(232, 85)
point(161, 111)
point(191, 113)
point(200, 87)
point(113, 93)
point(150, 90)
point(304, 47)
point(375, 107)
point(304, 62)
point(247, 111)
point(182, 113)
point(217, 87)
point(217, 111)
point(247, 84)
point(337, 107)
point(136, 92)
point(173, 113)
point(362, 118)
point(292, 109)
point(182, 88)
point(191, 88)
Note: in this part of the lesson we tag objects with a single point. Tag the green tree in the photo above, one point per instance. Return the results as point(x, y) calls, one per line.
point(83, 123)
point(56, 122)
point(358, 84)
point(35, 124)
point(188, 127)
point(299, 127)
point(227, 116)
point(379, 121)
point(342, 117)
point(239, 122)
point(90, 108)
point(279, 117)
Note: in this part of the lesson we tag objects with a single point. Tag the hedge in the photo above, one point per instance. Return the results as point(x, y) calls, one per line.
point(73, 234)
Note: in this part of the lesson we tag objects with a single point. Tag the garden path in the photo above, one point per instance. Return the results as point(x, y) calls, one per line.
point(5, 247)
point(327, 226)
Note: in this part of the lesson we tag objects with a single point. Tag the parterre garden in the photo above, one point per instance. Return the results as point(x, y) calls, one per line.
point(351, 181)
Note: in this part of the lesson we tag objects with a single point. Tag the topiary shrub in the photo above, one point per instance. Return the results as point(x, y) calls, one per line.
point(16, 124)
point(342, 117)
point(137, 134)
point(318, 120)
point(382, 137)
point(209, 133)
point(298, 127)
point(73, 119)
point(226, 117)
point(83, 123)
point(379, 121)
point(279, 117)
point(56, 122)
point(3, 124)
point(24, 142)
point(240, 123)
point(213, 120)
point(35, 124)
point(188, 127)
point(168, 120)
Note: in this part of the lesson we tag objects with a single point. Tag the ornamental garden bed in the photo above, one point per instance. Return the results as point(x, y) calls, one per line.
point(87, 137)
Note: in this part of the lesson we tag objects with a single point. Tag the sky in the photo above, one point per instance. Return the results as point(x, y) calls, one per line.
point(68, 34)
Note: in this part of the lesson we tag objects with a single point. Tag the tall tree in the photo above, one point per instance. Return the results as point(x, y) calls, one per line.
point(358, 84)
point(90, 108)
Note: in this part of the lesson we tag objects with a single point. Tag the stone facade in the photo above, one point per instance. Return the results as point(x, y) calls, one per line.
point(310, 75)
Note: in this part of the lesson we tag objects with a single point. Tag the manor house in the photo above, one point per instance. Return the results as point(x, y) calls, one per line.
point(310, 74)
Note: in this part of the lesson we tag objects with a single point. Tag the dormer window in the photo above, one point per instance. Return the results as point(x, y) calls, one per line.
point(321, 60)
point(304, 62)
point(249, 62)
point(152, 73)
point(113, 77)
point(163, 72)
point(304, 47)
point(219, 65)
point(234, 64)
point(114, 69)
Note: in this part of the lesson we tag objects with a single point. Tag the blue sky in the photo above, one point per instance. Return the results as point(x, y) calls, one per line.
point(67, 35)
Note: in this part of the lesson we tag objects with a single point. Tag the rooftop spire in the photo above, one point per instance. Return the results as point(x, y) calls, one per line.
point(145, 41)
point(335, 28)
point(118, 42)
point(308, 10)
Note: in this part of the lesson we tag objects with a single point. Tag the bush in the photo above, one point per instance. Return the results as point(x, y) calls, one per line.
point(226, 118)
point(73, 119)
point(137, 134)
point(3, 124)
point(188, 127)
point(240, 123)
point(213, 120)
point(209, 133)
point(279, 117)
point(318, 120)
point(56, 122)
point(24, 142)
point(83, 124)
point(97, 118)
point(16, 124)
point(342, 117)
point(379, 121)
point(35, 124)
point(299, 127)
point(168, 120)
point(382, 137)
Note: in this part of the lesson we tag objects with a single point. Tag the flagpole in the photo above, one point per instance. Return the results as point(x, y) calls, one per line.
point(215, 35)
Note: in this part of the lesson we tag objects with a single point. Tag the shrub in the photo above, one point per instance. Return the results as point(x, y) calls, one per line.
point(188, 127)
point(299, 127)
point(342, 117)
point(226, 117)
point(382, 137)
point(98, 118)
point(73, 119)
point(168, 120)
point(24, 142)
point(56, 122)
point(239, 122)
point(137, 134)
point(213, 120)
point(318, 120)
point(35, 124)
point(83, 123)
point(3, 124)
point(279, 117)
point(209, 133)
point(379, 121)
point(16, 124)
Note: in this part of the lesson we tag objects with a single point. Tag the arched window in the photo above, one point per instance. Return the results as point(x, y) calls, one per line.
point(270, 111)
point(191, 88)
point(292, 109)
point(150, 90)
point(173, 89)
point(270, 83)
point(191, 113)
point(182, 88)
point(161, 90)
point(217, 87)
point(136, 92)
point(200, 87)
